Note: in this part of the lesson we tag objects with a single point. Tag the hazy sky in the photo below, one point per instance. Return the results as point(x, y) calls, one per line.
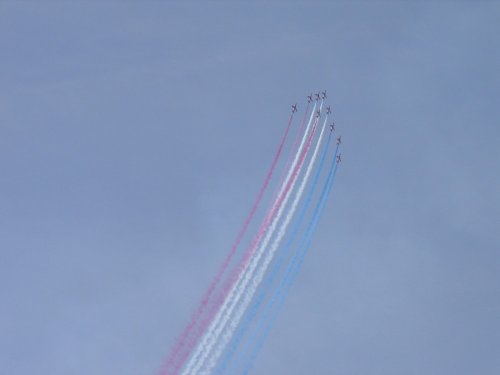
point(134, 137)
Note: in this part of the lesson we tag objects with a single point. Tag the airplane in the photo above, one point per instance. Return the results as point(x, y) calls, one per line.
point(317, 96)
point(332, 127)
point(328, 110)
point(318, 113)
point(323, 94)
point(339, 141)
point(339, 158)
point(294, 108)
point(309, 98)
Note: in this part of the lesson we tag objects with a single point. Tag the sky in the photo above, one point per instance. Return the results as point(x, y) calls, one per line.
point(134, 137)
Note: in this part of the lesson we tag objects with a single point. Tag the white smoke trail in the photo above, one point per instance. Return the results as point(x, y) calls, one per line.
point(243, 282)
point(297, 154)
point(215, 328)
point(260, 272)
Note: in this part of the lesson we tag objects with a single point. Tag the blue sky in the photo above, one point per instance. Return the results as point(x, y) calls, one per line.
point(134, 137)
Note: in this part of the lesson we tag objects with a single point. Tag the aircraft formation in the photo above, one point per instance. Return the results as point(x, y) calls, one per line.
point(321, 95)
point(236, 314)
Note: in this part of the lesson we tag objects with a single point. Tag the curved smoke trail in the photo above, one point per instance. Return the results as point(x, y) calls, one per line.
point(249, 272)
point(260, 271)
point(208, 339)
point(293, 151)
point(292, 270)
point(252, 312)
point(296, 151)
point(176, 358)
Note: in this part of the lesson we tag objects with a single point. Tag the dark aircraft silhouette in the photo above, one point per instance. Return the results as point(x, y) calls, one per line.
point(339, 158)
point(309, 98)
point(294, 108)
point(323, 95)
point(328, 110)
point(317, 96)
point(339, 141)
point(332, 127)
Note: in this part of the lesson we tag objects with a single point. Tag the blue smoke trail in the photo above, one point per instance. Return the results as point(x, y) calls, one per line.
point(292, 271)
point(252, 311)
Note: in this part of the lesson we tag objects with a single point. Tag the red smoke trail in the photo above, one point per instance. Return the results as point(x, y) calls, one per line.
point(238, 271)
point(172, 362)
point(293, 151)
point(248, 284)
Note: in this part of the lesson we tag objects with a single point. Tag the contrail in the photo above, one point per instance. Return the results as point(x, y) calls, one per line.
point(176, 358)
point(245, 325)
point(207, 341)
point(292, 270)
point(260, 271)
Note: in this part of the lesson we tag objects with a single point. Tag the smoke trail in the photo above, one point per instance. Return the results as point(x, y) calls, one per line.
point(231, 284)
point(175, 358)
point(293, 151)
point(208, 340)
point(292, 270)
point(248, 277)
point(245, 325)
point(259, 272)
point(243, 274)
point(243, 263)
